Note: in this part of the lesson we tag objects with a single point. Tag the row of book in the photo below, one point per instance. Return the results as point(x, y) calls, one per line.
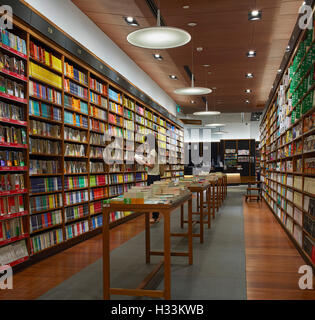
point(46, 240)
point(98, 180)
point(129, 103)
point(46, 57)
point(42, 146)
point(44, 75)
point(76, 229)
point(76, 182)
point(98, 86)
point(115, 190)
point(96, 222)
point(12, 159)
point(12, 64)
point(74, 88)
point(96, 138)
point(12, 112)
point(98, 193)
point(11, 182)
point(73, 73)
point(44, 129)
point(116, 178)
point(12, 135)
point(11, 228)
point(98, 100)
point(129, 114)
point(40, 109)
point(12, 204)
point(76, 104)
point(76, 212)
point(309, 247)
point(97, 167)
point(45, 202)
point(12, 88)
point(75, 167)
point(98, 113)
point(45, 220)
point(75, 119)
point(96, 152)
point(77, 150)
point(48, 184)
point(75, 135)
point(13, 252)
point(97, 125)
point(96, 207)
point(43, 166)
point(13, 41)
point(117, 108)
point(44, 92)
point(76, 197)
point(114, 95)
point(114, 119)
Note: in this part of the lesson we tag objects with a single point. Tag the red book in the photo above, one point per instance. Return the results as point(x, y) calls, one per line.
point(3, 206)
point(11, 205)
point(313, 253)
point(21, 203)
point(1, 231)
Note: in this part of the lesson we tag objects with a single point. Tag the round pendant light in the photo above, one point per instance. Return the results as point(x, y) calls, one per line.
point(159, 37)
point(192, 90)
point(207, 112)
point(214, 125)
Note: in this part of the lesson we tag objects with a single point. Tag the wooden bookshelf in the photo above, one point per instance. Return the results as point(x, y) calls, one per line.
point(287, 154)
point(95, 106)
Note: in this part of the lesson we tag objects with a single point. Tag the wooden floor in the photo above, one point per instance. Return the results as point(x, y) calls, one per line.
point(272, 261)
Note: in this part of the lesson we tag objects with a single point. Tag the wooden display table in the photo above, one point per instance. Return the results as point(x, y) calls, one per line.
point(166, 210)
point(233, 178)
point(199, 189)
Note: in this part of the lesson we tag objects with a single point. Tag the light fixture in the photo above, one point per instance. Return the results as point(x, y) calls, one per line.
point(207, 112)
point(251, 54)
point(287, 49)
point(186, 7)
point(191, 24)
point(173, 77)
point(279, 70)
point(254, 15)
point(157, 56)
point(159, 37)
point(249, 75)
point(214, 125)
point(247, 101)
point(206, 65)
point(192, 101)
point(131, 21)
point(248, 91)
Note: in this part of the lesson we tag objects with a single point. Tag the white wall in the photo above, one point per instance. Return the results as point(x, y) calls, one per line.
point(71, 20)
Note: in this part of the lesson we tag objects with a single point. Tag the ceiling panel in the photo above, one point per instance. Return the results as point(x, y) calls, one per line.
point(224, 33)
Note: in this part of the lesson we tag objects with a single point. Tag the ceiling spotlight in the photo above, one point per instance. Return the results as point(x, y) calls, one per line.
point(159, 37)
point(248, 91)
point(186, 7)
point(157, 56)
point(199, 49)
point(249, 75)
point(131, 21)
point(192, 101)
point(173, 77)
point(247, 101)
point(279, 70)
point(206, 65)
point(251, 54)
point(191, 24)
point(254, 15)
point(214, 125)
point(287, 49)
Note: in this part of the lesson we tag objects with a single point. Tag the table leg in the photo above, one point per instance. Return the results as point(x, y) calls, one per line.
point(197, 201)
point(106, 255)
point(167, 256)
point(190, 237)
point(209, 206)
point(182, 216)
point(147, 237)
point(213, 201)
point(201, 217)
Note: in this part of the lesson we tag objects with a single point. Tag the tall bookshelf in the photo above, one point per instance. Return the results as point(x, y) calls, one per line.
point(65, 108)
point(288, 149)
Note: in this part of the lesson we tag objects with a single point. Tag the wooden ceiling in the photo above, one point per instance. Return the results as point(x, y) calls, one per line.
point(225, 34)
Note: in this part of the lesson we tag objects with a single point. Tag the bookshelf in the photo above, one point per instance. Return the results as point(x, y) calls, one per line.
point(63, 107)
point(287, 149)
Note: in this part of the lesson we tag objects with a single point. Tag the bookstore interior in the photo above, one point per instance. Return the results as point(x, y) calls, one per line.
point(157, 150)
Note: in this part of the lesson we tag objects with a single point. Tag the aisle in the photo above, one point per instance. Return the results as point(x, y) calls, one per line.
point(218, 271)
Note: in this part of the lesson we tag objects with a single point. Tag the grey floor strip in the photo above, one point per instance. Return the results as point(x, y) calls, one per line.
point(218, 271)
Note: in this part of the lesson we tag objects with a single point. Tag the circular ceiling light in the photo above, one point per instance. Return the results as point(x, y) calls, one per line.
point(191, 24)
point(207, 113)
point(159, 37)
point(192, 90)
point(214, 125)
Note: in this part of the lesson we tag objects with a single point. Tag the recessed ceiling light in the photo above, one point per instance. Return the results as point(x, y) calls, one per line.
point(157, 56)
point(287, 49)
point(131, 21)
point(248, 91)
point(214, 125)
point(191, 24)
point(249, 75)
point(186, 7)
point(279, 70)
point(192, 101)
point(206, 65)
point(247, 101)
point(173, 77)
point(254, 15)
point(199, 49)
point(251, 54)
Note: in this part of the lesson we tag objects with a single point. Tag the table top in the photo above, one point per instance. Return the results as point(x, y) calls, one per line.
point(144, 207)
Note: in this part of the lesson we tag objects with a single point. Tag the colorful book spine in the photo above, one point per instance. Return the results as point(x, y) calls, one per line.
point(46, 240)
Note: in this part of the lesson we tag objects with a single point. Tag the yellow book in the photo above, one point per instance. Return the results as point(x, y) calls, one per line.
point(47, 59)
